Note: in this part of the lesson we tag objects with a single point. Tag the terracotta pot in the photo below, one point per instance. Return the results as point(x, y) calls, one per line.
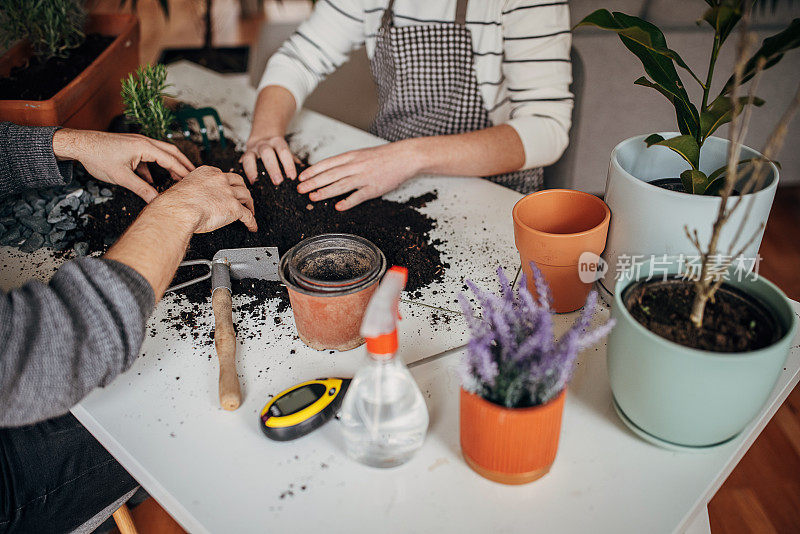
point(93, 98)
point(328, 310)
point(510, 445)
point(553, 228)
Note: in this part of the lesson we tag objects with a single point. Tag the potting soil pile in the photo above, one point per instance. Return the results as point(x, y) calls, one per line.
point(284, 218)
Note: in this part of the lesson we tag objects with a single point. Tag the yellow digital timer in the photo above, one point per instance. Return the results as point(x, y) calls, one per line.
point(303, 408)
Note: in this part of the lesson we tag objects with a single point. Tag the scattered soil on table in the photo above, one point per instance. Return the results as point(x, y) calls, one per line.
point(733, 322)
point(284, 218)
point(40, 80)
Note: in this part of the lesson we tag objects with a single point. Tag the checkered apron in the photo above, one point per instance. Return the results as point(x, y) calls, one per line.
point(427, 86)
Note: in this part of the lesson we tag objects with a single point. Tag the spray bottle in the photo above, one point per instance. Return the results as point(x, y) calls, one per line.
point(384, 417)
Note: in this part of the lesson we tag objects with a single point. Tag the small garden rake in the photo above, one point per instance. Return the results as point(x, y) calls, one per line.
point(188, 113)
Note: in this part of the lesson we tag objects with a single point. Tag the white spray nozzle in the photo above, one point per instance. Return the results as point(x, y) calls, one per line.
point(379, 326)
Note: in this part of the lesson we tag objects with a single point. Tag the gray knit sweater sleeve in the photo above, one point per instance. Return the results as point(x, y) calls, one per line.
point(60, 340)
point(27, 160)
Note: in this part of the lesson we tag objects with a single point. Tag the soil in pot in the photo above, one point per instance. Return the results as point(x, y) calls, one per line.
point(41, 80)
point(674, 184)
point(733, 321)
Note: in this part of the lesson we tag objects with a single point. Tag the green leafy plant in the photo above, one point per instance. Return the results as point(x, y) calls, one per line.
point(143, 96)
point(695, 122)
point(53, 27)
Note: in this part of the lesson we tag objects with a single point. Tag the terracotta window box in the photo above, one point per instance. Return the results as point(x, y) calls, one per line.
point(93, 98)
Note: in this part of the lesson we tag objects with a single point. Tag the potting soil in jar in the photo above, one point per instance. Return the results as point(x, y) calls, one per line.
point(330, 279)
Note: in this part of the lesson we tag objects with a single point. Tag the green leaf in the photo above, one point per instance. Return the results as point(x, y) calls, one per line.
point(724, 17)
point(684, 115)
point(638, 30)
point(716, 180)
point(648, 43)
point(720, 112)
point(772, 50)
point(652, 139)
point(694, 181)
point(684, 145)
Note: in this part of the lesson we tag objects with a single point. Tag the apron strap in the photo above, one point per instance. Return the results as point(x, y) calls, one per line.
point(388, 16)
point(461, 12)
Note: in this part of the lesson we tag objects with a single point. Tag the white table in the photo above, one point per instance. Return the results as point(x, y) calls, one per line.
point(214, 471)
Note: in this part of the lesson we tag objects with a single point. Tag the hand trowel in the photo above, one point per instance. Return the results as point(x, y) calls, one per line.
point(238, 263)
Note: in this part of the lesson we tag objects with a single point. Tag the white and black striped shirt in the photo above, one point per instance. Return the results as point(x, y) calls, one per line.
point(521, 58)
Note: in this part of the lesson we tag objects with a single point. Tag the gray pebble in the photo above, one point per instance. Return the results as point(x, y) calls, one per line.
point(67, 224)
point(57, 235)
point(8, 221)
point(23, 209)
point(106, 192)
point(37, 224)
point(81, 248)
point(12, 237)
point(34, 242)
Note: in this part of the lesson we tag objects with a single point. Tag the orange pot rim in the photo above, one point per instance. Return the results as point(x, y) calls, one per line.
point(568, 192)
point(526, 409)
point(129, 21)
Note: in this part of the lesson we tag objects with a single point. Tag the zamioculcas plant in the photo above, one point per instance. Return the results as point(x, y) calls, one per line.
point(143, 96)
point(53, 27)
point(696, 122)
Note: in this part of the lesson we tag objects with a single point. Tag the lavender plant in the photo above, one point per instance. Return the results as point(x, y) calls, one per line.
point(513, 358)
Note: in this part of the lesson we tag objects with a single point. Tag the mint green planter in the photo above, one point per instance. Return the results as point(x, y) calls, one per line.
point(679, 397)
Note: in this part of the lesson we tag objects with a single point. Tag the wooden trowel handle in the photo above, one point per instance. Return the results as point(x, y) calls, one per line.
point(230, 394)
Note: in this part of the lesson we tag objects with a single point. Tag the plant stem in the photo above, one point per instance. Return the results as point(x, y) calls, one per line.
point(712, 62)
point(699, 308)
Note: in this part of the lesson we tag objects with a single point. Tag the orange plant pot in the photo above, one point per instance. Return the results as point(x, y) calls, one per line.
point(330, 322)
point(327, 309)
point(552, 228)
point(93, 98)
point(510, 445)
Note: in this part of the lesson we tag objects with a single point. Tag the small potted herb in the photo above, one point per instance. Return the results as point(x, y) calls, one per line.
point(144, 95)
point(514, 379)
point(701, 340)
point(679, 175)
point(63, 67)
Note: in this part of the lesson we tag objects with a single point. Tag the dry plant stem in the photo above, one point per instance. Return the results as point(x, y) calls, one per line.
point(703, 284)
point(706, 287)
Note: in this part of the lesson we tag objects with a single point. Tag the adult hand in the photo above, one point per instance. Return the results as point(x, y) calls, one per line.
point(117, 158)
point(369, 173)
point(270, 150)
point(210, 199)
